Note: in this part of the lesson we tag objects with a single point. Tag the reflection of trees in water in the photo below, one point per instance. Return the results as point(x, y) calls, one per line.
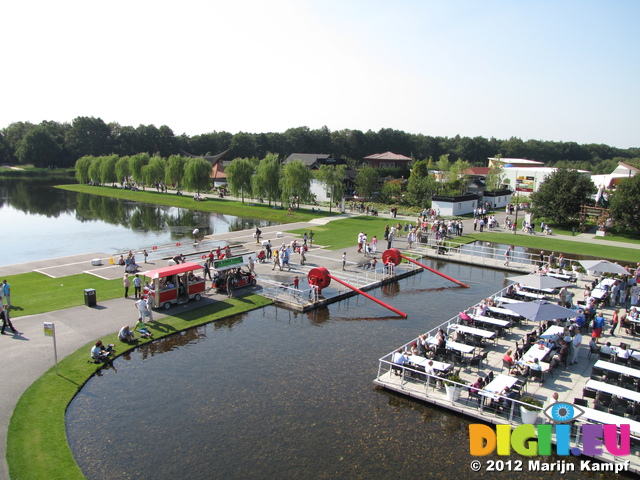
point(239, 223)
point(186, 337)
point(36, 197)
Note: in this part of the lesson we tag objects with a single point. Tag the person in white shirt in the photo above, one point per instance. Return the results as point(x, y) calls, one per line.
point(606, 348)
point(577, 341)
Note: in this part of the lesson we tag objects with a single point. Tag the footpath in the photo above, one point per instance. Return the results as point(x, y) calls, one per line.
point(28, 355)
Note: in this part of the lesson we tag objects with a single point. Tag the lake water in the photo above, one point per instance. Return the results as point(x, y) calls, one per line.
point(40, 221)
point(276, 394)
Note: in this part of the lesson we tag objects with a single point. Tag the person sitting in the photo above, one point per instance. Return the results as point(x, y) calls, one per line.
point(441, 339)
point(474, 389)
point(121, 261)
point(593, 346)
point(126, 335)
point(507, 358)
point(508, 395)
point(465, 318)
point(421, 347)
point(606, 348)
point(100, 353)
point(561, 355)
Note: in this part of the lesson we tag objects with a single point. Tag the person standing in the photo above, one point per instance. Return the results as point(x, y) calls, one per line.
point(541, 259)
point(258, 233)
point(614, 322)
point(126, 283)
point(374, 244)
point(137, 286)
point(143, 309)
point(146, 254)
point(344, 260)
point(251, 265)
point(6, 292)
point(6, 319)
point(296, 282)
point(230, 285)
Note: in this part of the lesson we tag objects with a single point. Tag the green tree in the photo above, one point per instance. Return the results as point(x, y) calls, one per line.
point(494, 179)
point(154, 172)
point(174, 172)
point(136, 162)
point(561, 195)
point(88, 136)
point(624, 202)
point(421, 186)
point(266, 182)
point(366, 181)
point(108, 169)
point(94, 169)
point(333, 178)
point(40, 148)
point(391, 192)
point(239, 174)
point(296, 182)
point(82, 169)
point(123, 172)
point(197, 175)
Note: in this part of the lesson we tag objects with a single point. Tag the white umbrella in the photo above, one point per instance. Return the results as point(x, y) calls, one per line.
point(539, 282)
point(603, 266)
point(541, 310)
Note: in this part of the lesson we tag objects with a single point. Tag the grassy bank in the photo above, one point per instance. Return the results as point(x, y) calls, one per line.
point(557, 244)
point(37, 445)
point(35, 293)
point(217, 205)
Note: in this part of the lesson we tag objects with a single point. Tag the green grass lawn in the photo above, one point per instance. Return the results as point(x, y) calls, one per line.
point(340, 234)
point(33, 292)
point(37, 445)
point(557, 244)
point(217, 205)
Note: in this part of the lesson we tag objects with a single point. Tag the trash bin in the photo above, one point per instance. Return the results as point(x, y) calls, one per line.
point(90, 297)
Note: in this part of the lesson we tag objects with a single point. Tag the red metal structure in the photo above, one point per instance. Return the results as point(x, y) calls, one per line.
point(394, 256)
point(321, 278)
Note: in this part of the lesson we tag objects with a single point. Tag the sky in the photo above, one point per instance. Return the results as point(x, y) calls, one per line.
point(556, 70)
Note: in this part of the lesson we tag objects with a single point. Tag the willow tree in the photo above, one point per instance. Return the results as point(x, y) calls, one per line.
point(266, 181)
point(366, 181)
point(123, 172)
point(136, 162)
point(239, 175)
point(296, 183)
point(197, 175)
point(174, 173)
point(333, 178)
point(154, 172)
point(108, 169)
point(82, 169)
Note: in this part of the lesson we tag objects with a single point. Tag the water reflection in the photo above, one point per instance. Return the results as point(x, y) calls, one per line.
point(55, 222)
point(278, 394)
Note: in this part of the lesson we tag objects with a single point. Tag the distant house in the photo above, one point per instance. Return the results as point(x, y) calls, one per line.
point(623, 170)
point(477, 172)
point(452, 205)
point(313, 161)
point(387, 159)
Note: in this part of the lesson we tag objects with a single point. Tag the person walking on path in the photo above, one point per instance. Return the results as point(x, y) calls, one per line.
point(6, 320)
point(126, 283)
point(507, 255)
point(344, 260)
point(6, 292)
point(207, 270)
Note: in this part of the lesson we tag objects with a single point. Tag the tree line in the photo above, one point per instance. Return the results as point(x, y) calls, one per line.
point(54, 144)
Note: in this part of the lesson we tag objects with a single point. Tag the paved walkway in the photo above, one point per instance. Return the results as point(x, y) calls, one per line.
point(26, 356)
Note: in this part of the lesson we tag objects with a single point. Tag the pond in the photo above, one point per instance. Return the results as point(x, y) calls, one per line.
point(40, 221)
point(276, 394)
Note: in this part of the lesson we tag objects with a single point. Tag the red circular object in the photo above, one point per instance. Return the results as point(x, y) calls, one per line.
point(154, 248)
point(204, 256)
point(178, 244)
point(319, 277)
point(392, 255)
